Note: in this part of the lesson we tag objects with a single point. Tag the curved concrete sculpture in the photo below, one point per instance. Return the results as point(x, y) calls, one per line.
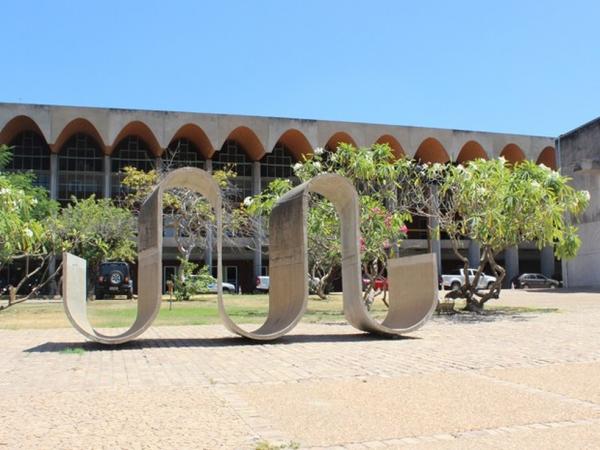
point(150, 245)
point(412, 280)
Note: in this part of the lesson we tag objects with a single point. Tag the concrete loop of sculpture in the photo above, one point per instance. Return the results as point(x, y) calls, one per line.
point(412, 280)
point(150, 243)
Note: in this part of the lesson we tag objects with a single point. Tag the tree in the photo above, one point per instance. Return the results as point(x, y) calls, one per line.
point(95, 230)
point(23, 232)
point(372, 171)
point(188, 213)
point(500, 206)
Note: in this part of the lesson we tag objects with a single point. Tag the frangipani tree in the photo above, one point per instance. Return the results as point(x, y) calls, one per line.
point(373, 172)
point(500, 206)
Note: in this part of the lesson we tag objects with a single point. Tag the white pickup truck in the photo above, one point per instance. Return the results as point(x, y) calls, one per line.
point(456, 279)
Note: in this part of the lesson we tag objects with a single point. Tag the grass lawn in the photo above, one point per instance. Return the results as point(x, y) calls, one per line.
point(201, 311)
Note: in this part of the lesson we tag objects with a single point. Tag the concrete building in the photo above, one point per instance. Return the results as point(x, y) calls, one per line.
point(81, 151)
point(579, 152)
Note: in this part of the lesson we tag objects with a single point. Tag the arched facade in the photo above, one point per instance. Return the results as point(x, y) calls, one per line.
point(432, 151)
point(130, 151)
point(470, 151)
point(548, 158)
point(233, 155)
point(295, 143)
point(249, 141)
point(338, 138)
point(393, 143)
point(30, 153)
point(142, 132)
point(513, 154)
point(182, 152)
point(80, 168)
point(277, 164)
point(78, 126)
point(196, 136)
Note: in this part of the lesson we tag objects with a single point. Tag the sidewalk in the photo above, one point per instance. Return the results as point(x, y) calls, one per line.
point(514, 381)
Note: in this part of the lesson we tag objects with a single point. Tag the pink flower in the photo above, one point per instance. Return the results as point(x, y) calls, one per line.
point(363, 247)
point(404, 229)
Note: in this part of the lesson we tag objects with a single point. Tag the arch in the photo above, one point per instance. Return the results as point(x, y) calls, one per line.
point(150, 248)
point(288, 267)
point(393, 143)
point(470, 151)
point(337, 138)
point(75, 126)
point(16, 126)
point(512, 153)
point(249, 142)
point(296, 143)
point(80, 168)
point(432, 151)
point(197, 136)
point(548, 158)
point(140, 129)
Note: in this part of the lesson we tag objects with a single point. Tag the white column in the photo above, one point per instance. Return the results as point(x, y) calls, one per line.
point(53, 176)
point(474, 253)
point(209, 239)
point(547, 261)
point(106, 178)
point(511, 264)
point(257, 260)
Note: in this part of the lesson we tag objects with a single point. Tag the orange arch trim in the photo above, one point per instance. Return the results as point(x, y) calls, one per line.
point(17, 125)
point(470, 151)
point(78, 125)
point(296, 143)
point(339, 138)
point(513, 153)
point(393, 143)
point(548, 158)
point(432, 151)
point(197, 135)
point(140, 129)
point(249, 142)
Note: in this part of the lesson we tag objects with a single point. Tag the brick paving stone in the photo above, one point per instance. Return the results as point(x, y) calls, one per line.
point(184, 386)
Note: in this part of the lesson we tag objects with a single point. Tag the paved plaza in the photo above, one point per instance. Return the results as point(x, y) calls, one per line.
point(522, 380)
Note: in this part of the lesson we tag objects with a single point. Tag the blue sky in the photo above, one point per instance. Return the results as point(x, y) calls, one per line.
point(506, 66)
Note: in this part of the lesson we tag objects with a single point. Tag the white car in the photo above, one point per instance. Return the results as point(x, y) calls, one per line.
point(456, 279)
point(228, 288)
point(262, 283)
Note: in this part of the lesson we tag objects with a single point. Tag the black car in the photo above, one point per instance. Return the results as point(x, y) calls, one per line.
point(113, 279)
point(534, 280)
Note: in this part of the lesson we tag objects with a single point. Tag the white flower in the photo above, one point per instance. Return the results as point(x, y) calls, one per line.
point(248, 201)
point(535, 184)
point(586, 194)
point(502, 159)
point(28, 232)
point(5, 191)
point(319, 151)
point(34, 201)
point(543, 166)
point(317, 165)
point(297, 166)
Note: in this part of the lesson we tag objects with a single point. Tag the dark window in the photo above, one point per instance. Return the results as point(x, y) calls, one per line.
point(80, 168)
point(31, 153)
point(233, 155)
point(277, 164)
point(130, 152)
point(183, 153)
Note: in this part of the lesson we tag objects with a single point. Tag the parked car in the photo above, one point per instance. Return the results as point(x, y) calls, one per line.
point(263, 283)
point(228, 288)
point(454, 280)
point(534, 280)
point(113, 279)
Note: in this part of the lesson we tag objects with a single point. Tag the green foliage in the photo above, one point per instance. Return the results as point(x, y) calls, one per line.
point(373, 172)
point(191, 280)
point(502, 206)
point(25, 208)
point(96, 230)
